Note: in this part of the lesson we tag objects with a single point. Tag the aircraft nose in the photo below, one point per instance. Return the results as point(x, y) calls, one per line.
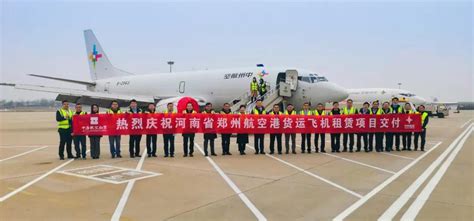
point(420, 100)
point(338, 93)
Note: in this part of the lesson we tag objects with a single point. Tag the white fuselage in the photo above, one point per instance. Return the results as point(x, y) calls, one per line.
point(217, 86)
point(359, 96)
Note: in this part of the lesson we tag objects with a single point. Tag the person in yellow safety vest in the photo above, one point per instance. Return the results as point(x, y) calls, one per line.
point(253, 89)
point(188, 138)
point(80, 140)
point(386, 109)
point(64, 119)
point(114, 140)
point(363, 136)
point(151, 138)
point(168, 139)
point(378, 136)
point(242, 139)
point(319, 136)
point(209, 137)
point(226, 137)
point(348, 110)
point(406, 137)
point(305, 137)
point(275, 136)
point(134, 140)
point(422, 134)
point(259, 138)
point(290, 110)
point(396, 109)
point(335, 137)
point(262, 87)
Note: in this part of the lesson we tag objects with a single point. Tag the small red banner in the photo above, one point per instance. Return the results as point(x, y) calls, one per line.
point(123, 124)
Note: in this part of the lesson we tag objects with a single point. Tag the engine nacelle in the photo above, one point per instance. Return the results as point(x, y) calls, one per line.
point(179, 104)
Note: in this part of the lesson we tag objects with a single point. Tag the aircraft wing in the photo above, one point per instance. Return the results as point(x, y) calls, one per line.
point(86, 97)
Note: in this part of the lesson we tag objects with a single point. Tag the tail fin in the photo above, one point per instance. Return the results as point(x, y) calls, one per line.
point(99, 64)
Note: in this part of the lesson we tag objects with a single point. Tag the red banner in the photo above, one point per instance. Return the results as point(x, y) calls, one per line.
point(123, 124)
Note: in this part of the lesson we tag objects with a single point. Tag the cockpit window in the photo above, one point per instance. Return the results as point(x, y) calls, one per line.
point(407, 94)
point(312, 78)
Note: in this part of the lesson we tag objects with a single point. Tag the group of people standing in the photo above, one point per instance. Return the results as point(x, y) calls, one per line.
point(349, 140)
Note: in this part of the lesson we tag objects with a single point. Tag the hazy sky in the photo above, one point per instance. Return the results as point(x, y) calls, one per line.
point(428, 46)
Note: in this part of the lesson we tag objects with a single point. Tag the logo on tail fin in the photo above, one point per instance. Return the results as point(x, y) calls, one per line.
point(94, 56)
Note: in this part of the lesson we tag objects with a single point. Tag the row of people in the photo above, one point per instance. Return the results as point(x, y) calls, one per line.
point(365, 140)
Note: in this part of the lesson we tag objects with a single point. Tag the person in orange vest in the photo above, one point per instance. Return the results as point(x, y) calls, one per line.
point(422, 134)
point(209, 137)
point(64, 119)
point(275, 136)
point(188, 138)
point(80, 140)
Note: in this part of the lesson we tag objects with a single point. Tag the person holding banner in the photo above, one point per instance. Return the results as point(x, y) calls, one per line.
point(151, 138)
point(168, 139)
point(242, 139)
point(363, 136)
point(188, 138)
point(276, 136)
point(80, 140)
point(378, 135)
point(396, 109)
point(305, 137)
point(422, 134)
point(95, 139)
point(406, 137)
point(64, 119)
point(209, 137)
point(348, 110)
point(134, 141)
point(290, 110)
point(386, 109)
point(226, 137)
point(319, 136)
point(259, 138)
point(335, 137)
point(114, 140)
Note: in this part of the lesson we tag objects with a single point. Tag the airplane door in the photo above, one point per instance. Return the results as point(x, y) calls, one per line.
point(106, 87)
point(292, 79)
point(181, 86)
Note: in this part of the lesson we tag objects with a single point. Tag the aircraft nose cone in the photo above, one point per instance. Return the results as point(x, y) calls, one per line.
point(339, 93)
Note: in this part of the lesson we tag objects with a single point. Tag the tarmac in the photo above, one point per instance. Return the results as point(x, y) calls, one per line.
point(436, 184)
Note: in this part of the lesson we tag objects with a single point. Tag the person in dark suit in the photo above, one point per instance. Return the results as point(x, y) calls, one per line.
point(134, 141)
point(209, 137)
point(242, 139)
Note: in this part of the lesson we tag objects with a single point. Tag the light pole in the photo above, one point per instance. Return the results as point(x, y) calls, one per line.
point(170, 63)
point(399, 85)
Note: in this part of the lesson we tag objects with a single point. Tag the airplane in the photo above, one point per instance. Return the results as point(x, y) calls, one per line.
point(109, 83)
point(361, 95)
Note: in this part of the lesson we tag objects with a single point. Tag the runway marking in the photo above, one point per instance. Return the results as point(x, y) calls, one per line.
point(313, 175)
point(408, 193)
point(360, 163)
point(21, 154)
point(34, 181)
point(464, 124)
point(234, 187)
point(385, 183)
point(395, 155)
point(126, 193)
point(420, 201)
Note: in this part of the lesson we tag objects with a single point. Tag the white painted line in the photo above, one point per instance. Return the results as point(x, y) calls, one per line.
point(34, 181)
point(313, 175)
point(126, 193)
point(360, 163)
point(405, 196)
point(377, 189)
point(21, 154)
point(400, 156)
point(464, 124)
point(420, 201)
point(234, 187)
